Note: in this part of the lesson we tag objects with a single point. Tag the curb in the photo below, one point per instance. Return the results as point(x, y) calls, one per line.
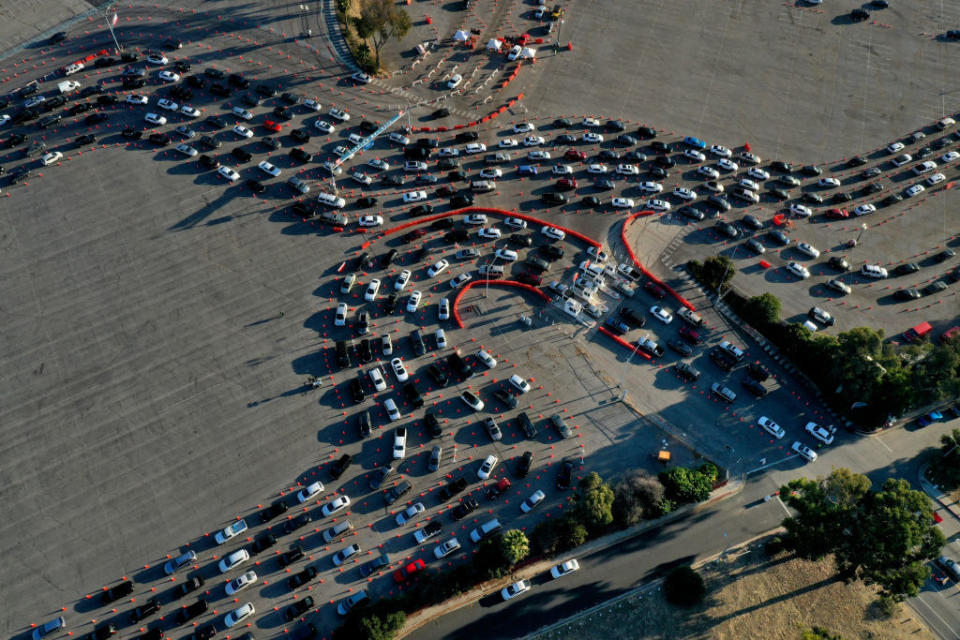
point(424, 616)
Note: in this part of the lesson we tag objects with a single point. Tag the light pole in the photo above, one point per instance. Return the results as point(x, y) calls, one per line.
point(863, 228)
point(623, 375)
point(486, 285)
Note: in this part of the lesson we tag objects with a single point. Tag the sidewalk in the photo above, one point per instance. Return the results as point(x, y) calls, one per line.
point(944, 506)
point(419, 618)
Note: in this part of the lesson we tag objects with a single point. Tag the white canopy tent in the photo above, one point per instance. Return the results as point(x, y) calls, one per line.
point(461, 36)
point(494, 44)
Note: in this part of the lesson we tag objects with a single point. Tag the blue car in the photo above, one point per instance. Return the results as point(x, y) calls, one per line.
point(528, 170)
point(696, 143)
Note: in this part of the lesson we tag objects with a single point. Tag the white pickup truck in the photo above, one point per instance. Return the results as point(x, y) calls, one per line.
point(68, 86)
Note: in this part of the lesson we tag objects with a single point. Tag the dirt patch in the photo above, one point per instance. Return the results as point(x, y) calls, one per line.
point(751, 597)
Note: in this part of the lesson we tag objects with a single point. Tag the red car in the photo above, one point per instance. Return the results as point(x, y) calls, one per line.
point(654, 289)
point(401, 575)
point(566, 184)
point(272, 126)
point(690, 335)
point(573, 154)
point(532, 279)
point(838, 214)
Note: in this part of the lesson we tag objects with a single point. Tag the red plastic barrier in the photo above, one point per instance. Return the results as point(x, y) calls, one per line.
point(506, 283)
point(633, 257)
point(623, 343)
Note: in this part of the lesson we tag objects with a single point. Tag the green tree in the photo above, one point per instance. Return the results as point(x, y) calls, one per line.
point(684, 586)
point(762, 310)
point(935, 376)
point(945, 465)
point(824, 507)
point(380, 620)
point(818, 633)
point(594, 502)
point(716, 272)
point(558, 534)
point(684, 486)
point(491, 560)
point(515, 545)
point(381, 20)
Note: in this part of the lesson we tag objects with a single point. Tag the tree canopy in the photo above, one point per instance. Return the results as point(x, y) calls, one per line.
point(381, 20)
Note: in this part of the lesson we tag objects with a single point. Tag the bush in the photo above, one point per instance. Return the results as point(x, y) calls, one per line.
point(818, 633)
point(637, 496)
point(761, 311)
point(558, 535)
point(378, 621)
point(774, 546)
point(888, 606)
point(684, 486)
point(593, 507)
point(683, 586)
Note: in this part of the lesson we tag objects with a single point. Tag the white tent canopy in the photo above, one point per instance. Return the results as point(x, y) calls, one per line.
point(461, 36)
point(494, 44)
point(528, 53)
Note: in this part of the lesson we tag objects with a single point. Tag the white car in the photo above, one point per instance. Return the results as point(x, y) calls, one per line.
point(337, 504)
point(694, 155)
point(312, 104)
point(309, 492)
point(376, 377)
point(721, 152)
point(758, 174)
point(226, 533)
point(593, 138)
point(399, 369)
point(533, 141)
point(345, 554)
point(864, 209)
point(135, 99)
point(155, 118)
point(441, 338)
point(873, 271)
point(454, 81)
point(242, 131)
point(661, 314)
point(241, 582)
point(553, 233)
point(474, 148)
point(238, 615)
point(508, 143)
point(486, 359)
point(414, 301)
point(523, 127)
point(507, 255)
point(828, 183)
point(747, 183)
point(708, 172)
point(489, 233)
point(901, 160)
point(414, 165)
point(489, 464)
point(4, 119)
point(895, 147)
point(935, 178)
point(798, 270)
point(514, 52)
point(532, 501)
point(491, 174)
point(515, 223)
point(800, 210)
point(598, 255)
point(324, 126)
point(340, 319)
point(169, 76)
point(804, 451)
point(539, 155)
point(372, 288)
point(399, 443)
point(564, 568)
point(437, 268)
point(446, 547)
point(819, 432)
point(443, 310)
point(157, 58)
point(402, 280)
point(659, 206)
point(187, 150)
point(472, 400)
point(771, 427)
point(562, 170)
point(370, 221)
point(414, 196)
point(597, 168)
point(377, 163)
point(728, 165)
point(448, 152)
point(34, 101)
point(361, 77)
point(189, 111)
point(475, 219)
point(685, 194)
point(399, 138)
point(410, 513)
point(233, 560)
point(228, 173)
point(240, 112)
point(950, 156)
point(519, 384)
point(650, 187)
point(338, 114)
point(460, 280)
point(914, 190)
point(590, 123)
point(269, 169)
point(50, 158)
point(808, 249)
point(515, 589)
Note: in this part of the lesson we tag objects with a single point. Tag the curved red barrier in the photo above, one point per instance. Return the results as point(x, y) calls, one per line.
point(623, 343)
point(492, 211)
point(489, 116)
point(473, 283)
point(633, 257)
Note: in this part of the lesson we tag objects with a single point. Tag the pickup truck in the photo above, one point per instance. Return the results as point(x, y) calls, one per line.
point(650, 347)
point(452, 488)
point(690, 317)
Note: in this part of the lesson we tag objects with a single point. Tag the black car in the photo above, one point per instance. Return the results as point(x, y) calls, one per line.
point(841, 196)
point(812, 198)
point(811, 170)
point(467, 506)
point(49, 121)
point(647, 132)
point(374, 565)
point(461, 200)
point(551, 251)
point(754, 387)
point(132, 134)
point(873, 187)
point(604, 184)
point(270, 142)
point(19, 174)
point(416, 343)
point(505, 397)
point(153, 634)
point(133, 83)
point(103, 631)
point(779, 237)
point(565, 138)
point(256, 186)
point(721, 358)
point(367, 127)
point(266, 90)
point(782, 167)
point(290, 98)
point(208, 162)
point(634, 318)
point(680, 347)
point(300, 135)
point(934, 287)
point(908, 294)
point(727, 229)
point(298, 608)
point(241, 154)
point(364, 352)
point(26, 115)
point(96, 118)
point(300, 155)
point(907, 268)
point(191, 611)
point(718, 202)
point(661, 147)
point(665, 162)
point(520, 240)
point(891, 199)
point(160, 139)
point(86, 138)
point(627, 140)
point(778, 194)
point(148, 608)
point(856, 161)
point(59, 36)
point(221, 90)
point(364, 424)
point(457, 175)
point(562, 123)
point(107, 100)
point(80, 107)
point(609, 154)
point(91, 90)
point(182, 94)
point(197, 81)
point(129, 56)
point(341, 465)
point(390, 304)
point(291, 525)
point(859, 15)
point(182, 66)
point(692, 214)
point(565, 477)
point(944, 255)
point(236, 80)
point(282, 112)
point(188, 586)
point(116, 592)
point(210, 142)
point(297, 580)
point(438, 375)
point(758, 371)
point(262, 543)
point(552, 197)
point(216, 74)
point(687, 371)
point(271, 512)
point(839, 263)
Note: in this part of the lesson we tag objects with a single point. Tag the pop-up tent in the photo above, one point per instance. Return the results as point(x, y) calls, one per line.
point(528, 53)
point(461, 36)
point(494, 44)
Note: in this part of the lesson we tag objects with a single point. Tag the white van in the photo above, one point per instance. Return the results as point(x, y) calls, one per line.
point(483, 186)
point(485, 530)
point(331, 200)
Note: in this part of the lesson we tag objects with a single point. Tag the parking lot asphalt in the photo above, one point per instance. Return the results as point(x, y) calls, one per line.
point(160, 326)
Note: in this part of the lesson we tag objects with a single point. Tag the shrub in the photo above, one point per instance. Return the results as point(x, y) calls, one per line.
point(593, 507)
point(637, 496)
point(684, 485)
point(683, 586)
